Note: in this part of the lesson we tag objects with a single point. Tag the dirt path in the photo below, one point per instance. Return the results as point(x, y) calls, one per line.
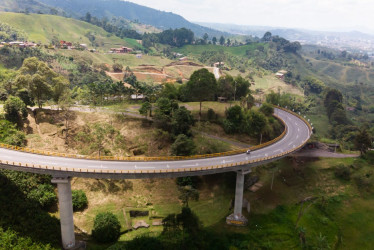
point(314, 153)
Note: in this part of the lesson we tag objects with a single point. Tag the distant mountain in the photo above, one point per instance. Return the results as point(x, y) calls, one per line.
point(353, 40)
point(27, 6)
point(130, 11)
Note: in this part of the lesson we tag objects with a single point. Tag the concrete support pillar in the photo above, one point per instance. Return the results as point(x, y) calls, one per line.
point(237, 217)
point(66, 212)
point(239, 194)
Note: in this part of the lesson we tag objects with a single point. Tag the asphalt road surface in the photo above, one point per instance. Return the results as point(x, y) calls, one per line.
point(297, 134)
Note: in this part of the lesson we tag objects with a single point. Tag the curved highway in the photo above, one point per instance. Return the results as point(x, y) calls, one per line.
point(297, 133)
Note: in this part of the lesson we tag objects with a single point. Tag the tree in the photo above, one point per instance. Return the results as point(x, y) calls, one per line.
point(202, 86)
point(145, 108)
point(41, 81)
point(79, 199)
point(106, 227)
point(222, 40)
point(363, 141)
point(267, 109)
point(182, 121)
point(247, 102)
point(205, 38)
point(241, 87)
point(183, 146)
point(267, 37)
point(226, 87)
point(88, 17)
point(117, 67)
point(187, 193)
point(234, 117)
point(15, 110)
point(214, 40)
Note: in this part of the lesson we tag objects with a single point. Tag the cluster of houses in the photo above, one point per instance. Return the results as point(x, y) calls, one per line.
point(69, 45)
point(19, 44)
point(121, 50)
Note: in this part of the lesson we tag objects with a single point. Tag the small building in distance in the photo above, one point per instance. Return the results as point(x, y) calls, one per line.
point(20, 44)
point(218, 64)
point(136, 97)
point(280, 74)
point(65, 44)
point(121, 50)
point(222, 99)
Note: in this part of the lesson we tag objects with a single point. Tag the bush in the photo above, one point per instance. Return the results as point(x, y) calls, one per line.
point(79, 200)
point(369, 157)
point(183, 146)
point(267, 109)
point(15, 110)
point(117, 67)
point(342, 172)
point(44, 194)
point(10, 135)
point(106, 228)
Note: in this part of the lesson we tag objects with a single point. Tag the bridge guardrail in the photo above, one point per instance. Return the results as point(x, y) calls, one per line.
point(162, 158)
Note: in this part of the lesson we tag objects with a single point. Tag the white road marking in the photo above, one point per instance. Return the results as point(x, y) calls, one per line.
point(226, 161)
point(168, 166)
point(289, 144)
point(144, 167)
point(297, 136)
point(197, 164)
point(266, 155)
point(246, 158)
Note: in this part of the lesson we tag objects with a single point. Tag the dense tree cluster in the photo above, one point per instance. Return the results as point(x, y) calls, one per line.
point(9, 34)
point(106, 227)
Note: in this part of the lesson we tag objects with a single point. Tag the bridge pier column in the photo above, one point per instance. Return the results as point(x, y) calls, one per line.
point(237, 217)
point(66, 212)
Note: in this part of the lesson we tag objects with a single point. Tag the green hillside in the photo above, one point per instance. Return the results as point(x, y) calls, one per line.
point(26, 5)
point(45, 28)
point(196, 50)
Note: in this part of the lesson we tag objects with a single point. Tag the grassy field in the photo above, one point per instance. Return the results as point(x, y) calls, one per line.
point(124, 59)
point(43, 28)
point(196, 50)
point(271, 83)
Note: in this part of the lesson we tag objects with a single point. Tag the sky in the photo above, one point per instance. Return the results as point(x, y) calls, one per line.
point(334, 15)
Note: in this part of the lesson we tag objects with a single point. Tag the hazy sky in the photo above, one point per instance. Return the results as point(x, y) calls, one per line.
point(309, 14)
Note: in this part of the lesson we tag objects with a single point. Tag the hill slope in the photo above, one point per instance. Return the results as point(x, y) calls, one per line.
point(26, 5)
point(45, 28)
point(130, 11)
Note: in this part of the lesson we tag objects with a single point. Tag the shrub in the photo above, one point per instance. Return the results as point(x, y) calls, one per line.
point(106, 227)
point(342, 172)
point(15, 110)
point(183, 146)
point(44, 194)
point(79, 200)
point(117, 67)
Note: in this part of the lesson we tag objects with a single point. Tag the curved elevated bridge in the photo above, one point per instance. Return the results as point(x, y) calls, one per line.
point(64, 166)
